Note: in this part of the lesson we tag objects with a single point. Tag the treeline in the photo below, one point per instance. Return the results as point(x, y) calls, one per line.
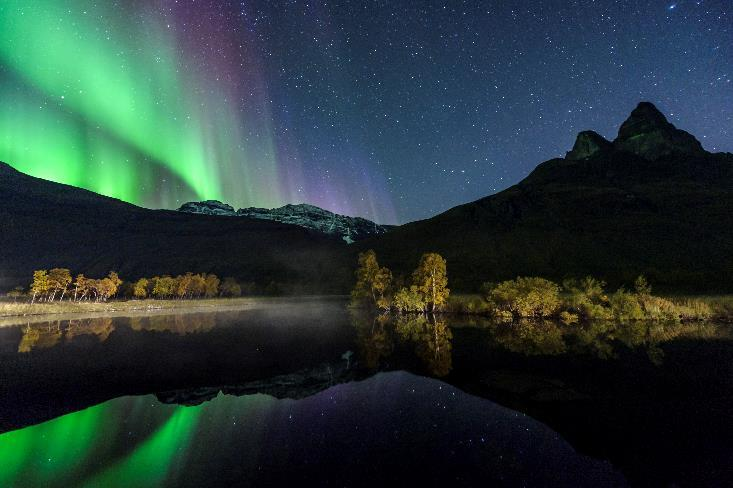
point(186, 286)
point(58, 284)
point(524, 297)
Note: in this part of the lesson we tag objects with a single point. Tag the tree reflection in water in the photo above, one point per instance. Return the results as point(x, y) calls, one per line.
point(48, 334)
point(43, 335)
point(431, 337)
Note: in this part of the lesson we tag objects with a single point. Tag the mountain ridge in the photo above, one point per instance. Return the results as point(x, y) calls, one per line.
point(47, 224)
point(653, 201)
point(349, 229)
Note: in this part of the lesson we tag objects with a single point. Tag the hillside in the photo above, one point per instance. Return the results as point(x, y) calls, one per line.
point(652, 201)
point(46, 224)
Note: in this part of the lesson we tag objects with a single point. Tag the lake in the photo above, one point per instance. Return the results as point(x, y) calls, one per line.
point(306, 391)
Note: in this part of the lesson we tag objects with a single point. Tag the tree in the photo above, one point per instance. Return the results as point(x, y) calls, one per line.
point(230, 288)
point(183, 285)
point(59, 280)
point(16, 293)
point(163, 286)
point(642, 286)
point(140, 288)
point(211, 286)
point(198, 286)
point(104, 288)
point(81, 287)
point(40, 285)
point(430, 280)
point(110, 285)
point(372, 281)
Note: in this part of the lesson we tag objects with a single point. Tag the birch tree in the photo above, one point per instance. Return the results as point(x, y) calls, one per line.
point(430, 280)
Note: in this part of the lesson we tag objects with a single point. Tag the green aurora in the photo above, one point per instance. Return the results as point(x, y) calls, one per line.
point(103, 100)
point(129, 441)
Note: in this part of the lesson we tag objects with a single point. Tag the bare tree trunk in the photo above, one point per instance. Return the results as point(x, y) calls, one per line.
point(432, 278)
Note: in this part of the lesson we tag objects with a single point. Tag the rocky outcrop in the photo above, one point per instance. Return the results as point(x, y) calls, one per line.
point(648, 134)
point(350, 229)
point(208, 207)
point(300, 384)
point(587, 144)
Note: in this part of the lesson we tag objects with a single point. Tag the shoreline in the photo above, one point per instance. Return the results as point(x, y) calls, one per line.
point(14, 313)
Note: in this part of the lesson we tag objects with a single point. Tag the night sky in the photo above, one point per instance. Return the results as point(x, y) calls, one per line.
point(392, 110)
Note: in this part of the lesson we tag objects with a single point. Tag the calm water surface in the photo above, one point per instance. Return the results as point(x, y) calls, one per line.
point(306, 391)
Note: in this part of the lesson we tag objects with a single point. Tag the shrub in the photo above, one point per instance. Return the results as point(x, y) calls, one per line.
point(568, 318)
point(595, 311)
point(587, 298)
point(656, 308)
point(408, 300)
point(230, 288)
point(642, 286)
point(625, 306)
point(503, 315)
point(469, 304)
point(526, 297)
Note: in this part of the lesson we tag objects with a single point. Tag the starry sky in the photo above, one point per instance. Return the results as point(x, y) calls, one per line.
point(392, 110)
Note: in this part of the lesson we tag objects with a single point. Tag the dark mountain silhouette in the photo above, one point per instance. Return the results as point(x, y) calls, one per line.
point(652, 201)
point(46, 224)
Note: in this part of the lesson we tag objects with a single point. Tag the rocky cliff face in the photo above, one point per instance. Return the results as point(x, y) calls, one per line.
point(208, 207)
point(587, 144)
point(350, 229)
point(646, 133)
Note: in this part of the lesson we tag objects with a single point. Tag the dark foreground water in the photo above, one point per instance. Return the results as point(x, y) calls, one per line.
point(302, 391)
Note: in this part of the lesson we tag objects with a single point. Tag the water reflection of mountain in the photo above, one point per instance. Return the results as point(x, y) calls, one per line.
point(361, 433)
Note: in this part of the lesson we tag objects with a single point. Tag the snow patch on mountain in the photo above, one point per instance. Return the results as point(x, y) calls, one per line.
point(350, 229)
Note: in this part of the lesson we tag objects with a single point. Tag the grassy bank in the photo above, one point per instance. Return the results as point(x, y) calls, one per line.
point(712, 307)
point(23, 308)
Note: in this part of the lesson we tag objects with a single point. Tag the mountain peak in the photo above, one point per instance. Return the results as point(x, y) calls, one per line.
point(643, 119)
point(648, 134)
point(587, 144)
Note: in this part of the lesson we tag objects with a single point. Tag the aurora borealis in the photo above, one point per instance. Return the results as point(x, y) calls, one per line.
point(389, 110)
point(256, 440)
point(114, 100)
